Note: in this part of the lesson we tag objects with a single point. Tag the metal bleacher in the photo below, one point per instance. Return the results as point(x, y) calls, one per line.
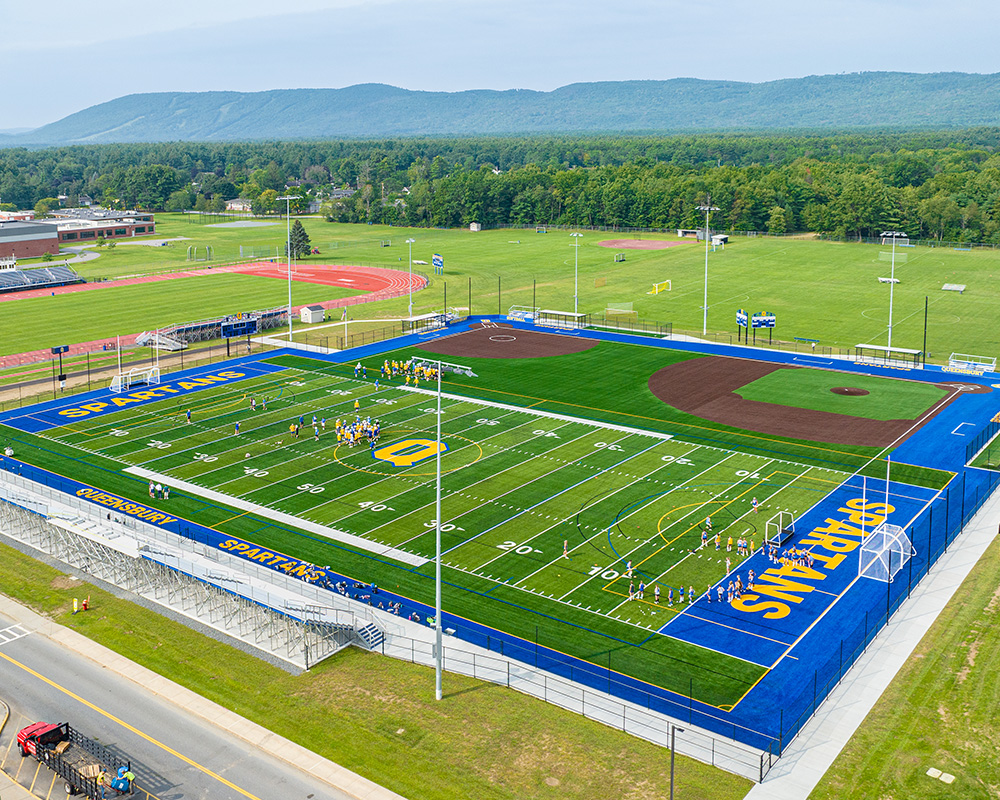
point(16, 280)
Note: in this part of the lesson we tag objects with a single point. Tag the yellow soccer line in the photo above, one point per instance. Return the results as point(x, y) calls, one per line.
point(131, 728)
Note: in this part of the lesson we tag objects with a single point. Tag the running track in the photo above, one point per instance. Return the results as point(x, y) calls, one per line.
point(378, 283)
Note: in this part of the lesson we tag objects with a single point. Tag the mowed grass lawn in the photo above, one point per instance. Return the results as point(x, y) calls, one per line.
point(812, 389)
point(821, 290)
point(41, 322)
point(940, 711)
point(378, 716)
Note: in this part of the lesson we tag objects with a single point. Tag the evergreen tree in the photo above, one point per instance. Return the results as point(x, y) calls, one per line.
point(299, 240)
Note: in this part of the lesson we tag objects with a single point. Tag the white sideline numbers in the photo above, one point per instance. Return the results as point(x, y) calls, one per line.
point(445, 527)
point(742, 473)
point(368, 505)
point(312, 488)
point(676, 460)
point(513, 547)
point(607, 446)
point(546, 434)
point(260, 473)
point(484, 421)
point(608, 574)
point(205, 457)
point(156, 443)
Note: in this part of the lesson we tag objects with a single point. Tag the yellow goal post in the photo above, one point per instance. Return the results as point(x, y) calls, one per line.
point(662, 286)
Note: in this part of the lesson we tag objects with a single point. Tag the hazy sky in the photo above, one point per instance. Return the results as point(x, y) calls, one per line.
point(64, 56)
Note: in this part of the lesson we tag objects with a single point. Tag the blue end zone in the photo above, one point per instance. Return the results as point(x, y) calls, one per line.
point(66, 410)
point(787, 601)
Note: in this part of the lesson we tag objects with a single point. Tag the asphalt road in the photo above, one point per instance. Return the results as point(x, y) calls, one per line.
point(173, 754)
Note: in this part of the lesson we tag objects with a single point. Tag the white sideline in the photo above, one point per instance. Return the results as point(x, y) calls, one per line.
point(538, 413)
point(279, 516)
point(807, 758)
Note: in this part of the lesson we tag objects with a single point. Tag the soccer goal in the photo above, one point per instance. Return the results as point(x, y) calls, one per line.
point(619, 311)
point(662, 286)
point(884, 552)
point(523, 313)
point(779, 528)
point(899, 258)
point(137, 376)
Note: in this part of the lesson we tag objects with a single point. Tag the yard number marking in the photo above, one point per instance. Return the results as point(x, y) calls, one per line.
point(513, 547)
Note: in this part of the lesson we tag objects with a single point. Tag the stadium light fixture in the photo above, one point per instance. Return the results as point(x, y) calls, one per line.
point(708, 208)
point(410, 242)
point(576, 273)
point(440, 366)
point(288, 244)
point(673, 731)
point(892, 274)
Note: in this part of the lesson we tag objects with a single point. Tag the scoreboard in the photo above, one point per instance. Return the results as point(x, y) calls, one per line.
point(239, 325)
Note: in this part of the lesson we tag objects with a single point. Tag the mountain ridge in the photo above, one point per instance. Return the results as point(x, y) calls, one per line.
point(847, 101)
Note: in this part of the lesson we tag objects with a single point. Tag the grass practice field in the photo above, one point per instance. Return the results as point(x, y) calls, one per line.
point(548, 504)
point(818, 290)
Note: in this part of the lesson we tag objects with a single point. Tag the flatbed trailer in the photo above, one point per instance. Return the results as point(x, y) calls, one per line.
point(85, 766)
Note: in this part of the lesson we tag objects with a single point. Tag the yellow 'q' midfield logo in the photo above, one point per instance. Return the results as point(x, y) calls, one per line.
point(407, 452)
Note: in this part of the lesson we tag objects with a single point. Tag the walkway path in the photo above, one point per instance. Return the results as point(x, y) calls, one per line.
point(806, 760)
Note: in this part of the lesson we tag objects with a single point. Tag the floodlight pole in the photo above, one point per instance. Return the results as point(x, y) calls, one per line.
point(410, 313)
point(438, 624)
point(707, 208)
point(576, 273)
point(288, 245)
point(673, 731)
point(892, 284)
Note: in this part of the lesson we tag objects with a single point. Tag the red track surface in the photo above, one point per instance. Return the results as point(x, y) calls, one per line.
point(378, 283)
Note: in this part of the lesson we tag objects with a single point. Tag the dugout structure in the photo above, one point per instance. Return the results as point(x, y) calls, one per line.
point(968, 363)
point(425, 322)
point(567, 320)
point(779, 528)
point(887, 356)
point(884, 552)
point(523, 313)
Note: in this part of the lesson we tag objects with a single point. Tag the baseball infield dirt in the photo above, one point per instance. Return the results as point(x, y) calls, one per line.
point(507, 342)
point(705, 387)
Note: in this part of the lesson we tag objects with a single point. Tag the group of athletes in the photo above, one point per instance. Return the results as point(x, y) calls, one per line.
point(413, 372)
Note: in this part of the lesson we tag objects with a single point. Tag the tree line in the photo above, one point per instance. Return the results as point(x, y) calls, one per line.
point(928, 184)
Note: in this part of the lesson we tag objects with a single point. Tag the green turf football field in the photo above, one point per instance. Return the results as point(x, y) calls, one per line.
point(544, 503)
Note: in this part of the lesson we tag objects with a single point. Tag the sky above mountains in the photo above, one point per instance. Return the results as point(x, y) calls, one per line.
point(59, 62)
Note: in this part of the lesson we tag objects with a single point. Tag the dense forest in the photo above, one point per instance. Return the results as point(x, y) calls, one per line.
point(944, 185)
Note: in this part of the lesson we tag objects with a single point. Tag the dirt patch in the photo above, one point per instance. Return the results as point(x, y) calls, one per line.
point(706, 387)
point(507, 342)
point(639, 244)
point(975, 388)
point(65, 582)
point(850, 391)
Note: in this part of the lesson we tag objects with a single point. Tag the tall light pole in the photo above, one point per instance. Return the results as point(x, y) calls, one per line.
point(673, 731)
point(410, 243)
point(440, 366)
point(576, 273)
point(288, 244)
point(707, 208)
point(892, 274)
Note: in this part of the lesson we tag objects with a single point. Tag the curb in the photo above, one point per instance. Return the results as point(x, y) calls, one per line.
point(295, 755)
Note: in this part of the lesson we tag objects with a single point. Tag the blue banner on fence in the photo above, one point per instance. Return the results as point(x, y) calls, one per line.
point(741, 318)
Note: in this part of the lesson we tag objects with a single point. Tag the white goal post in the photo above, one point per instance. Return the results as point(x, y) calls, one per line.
point(137, 376)
point(662, 286)
point(779, 528)
point(884, 552)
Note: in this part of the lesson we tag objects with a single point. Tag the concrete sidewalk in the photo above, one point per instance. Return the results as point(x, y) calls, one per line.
point(210, 713)
point(805, 762)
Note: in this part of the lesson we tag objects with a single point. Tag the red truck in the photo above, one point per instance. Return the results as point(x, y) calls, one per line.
point(86, 766)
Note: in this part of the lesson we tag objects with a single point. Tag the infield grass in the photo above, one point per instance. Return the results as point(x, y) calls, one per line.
point(884, 398)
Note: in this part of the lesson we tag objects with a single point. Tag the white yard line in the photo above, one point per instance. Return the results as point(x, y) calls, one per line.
point(279, 516)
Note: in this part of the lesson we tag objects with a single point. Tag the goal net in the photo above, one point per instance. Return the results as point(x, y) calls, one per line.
point(884, 552)
point(779, 528)
point(138, 376)
point(662, 286)
point(523, 313)
point(621, 310)
point(900, 258)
